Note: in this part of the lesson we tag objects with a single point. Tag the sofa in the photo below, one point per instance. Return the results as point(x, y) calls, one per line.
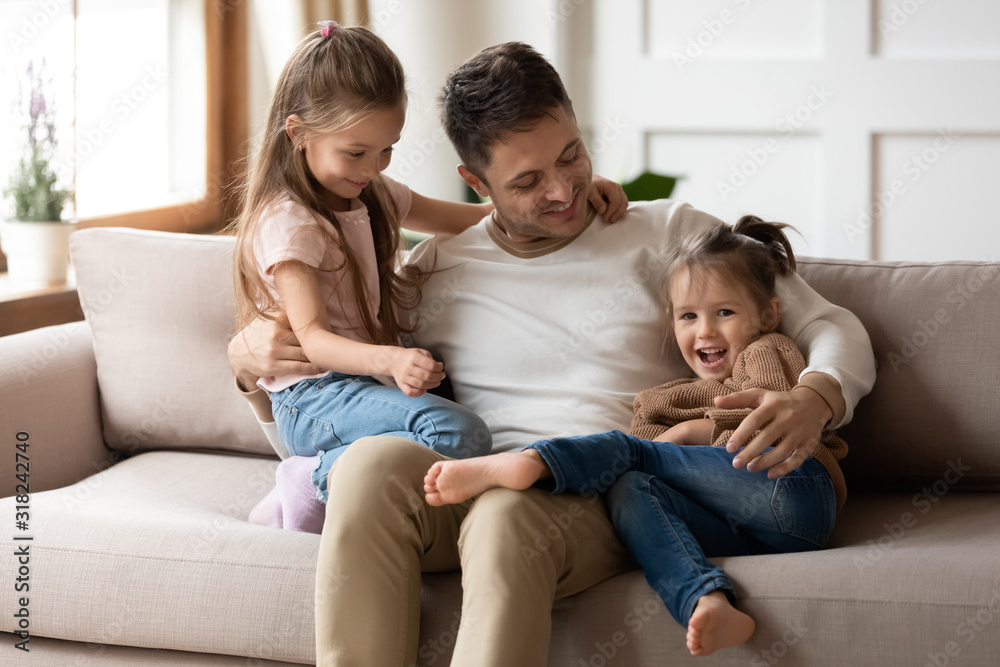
point(144, 463)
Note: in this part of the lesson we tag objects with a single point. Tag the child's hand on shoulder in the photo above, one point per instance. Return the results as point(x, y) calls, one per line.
point(608, 199)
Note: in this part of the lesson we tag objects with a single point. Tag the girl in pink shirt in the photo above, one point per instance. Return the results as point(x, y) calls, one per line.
point(318, 241)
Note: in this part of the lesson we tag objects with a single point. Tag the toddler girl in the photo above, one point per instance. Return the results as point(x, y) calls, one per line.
point(317, 242)
point(677, 498)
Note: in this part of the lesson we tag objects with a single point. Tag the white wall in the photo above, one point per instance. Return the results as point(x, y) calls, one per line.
point(873, 126)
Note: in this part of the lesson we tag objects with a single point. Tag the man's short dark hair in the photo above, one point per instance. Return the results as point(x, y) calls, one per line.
point(502, 89)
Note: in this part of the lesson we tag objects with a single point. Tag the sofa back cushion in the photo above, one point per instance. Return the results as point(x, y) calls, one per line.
point(933, 417)
point(161, 309)
point(162, 312)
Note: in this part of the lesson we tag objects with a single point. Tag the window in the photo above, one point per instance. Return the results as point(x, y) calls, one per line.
point(140, 88)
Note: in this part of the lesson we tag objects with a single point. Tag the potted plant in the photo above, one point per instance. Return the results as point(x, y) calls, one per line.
point(35, 236)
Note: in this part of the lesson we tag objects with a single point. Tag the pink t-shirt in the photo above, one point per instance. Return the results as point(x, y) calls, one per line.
point(290, 231)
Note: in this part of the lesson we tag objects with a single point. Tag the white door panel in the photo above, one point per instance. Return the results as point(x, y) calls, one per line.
point(843, 98)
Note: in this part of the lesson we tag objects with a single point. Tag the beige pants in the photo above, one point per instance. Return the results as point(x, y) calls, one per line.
point(518, 551)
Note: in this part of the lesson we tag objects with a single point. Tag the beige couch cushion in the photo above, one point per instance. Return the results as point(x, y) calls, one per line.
point(935, 406)
point(161, 310)
point(49, 391)
point(156, 552)
point(880, 595)
point(46, 652)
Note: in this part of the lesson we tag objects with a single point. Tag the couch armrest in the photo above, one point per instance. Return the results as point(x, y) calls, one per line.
point(48, 389)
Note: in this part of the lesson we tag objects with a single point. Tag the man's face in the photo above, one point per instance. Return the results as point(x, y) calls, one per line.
point(539, 179)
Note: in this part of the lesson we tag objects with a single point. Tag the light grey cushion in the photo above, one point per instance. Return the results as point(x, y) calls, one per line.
point(934, 329)
point(156, 552)
point(48, 390)
point(46, 652)
point(161, 308)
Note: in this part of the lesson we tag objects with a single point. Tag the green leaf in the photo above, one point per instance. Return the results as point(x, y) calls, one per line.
point(649, 186)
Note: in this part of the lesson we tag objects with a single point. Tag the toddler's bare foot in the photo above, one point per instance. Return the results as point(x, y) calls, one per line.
point(454, 481)
point(717, 624)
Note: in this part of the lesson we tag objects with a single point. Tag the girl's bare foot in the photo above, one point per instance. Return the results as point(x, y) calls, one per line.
point(717, 624)
point(454, 481)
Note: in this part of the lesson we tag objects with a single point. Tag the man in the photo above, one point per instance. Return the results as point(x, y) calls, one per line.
point(548, 322)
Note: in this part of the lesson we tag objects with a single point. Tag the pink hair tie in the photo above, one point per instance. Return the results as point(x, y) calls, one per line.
point(328, 27)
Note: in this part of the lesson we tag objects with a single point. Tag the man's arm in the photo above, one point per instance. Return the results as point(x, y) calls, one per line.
point(834, 343)
point(840, 371)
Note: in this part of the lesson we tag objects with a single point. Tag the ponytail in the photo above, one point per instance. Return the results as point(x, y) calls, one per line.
point(770, 235)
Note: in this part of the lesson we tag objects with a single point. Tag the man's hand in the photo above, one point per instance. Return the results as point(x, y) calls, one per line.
point(265, 348)
point(796, 418)
point(608, 198)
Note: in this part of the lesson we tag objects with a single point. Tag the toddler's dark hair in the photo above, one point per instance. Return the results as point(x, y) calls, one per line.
point(752, 253)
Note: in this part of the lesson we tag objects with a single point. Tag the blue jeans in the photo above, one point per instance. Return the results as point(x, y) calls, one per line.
point(325, 415)
point(674, 507)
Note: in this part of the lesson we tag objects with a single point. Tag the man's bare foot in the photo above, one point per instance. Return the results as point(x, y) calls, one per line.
point(717, 624)
point(454, 481)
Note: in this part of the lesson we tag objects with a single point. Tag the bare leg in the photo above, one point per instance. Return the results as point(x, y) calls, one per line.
point(455, 481)
point(717, 624)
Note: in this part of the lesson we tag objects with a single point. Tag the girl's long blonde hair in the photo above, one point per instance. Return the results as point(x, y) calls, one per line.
point(331, 83)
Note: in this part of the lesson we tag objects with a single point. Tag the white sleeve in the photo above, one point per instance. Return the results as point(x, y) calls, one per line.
point(683, 221)
point(831, 338)
point(423, 254)
point(271, 433)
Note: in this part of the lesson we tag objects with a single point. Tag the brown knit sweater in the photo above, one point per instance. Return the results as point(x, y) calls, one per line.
point(771, 362)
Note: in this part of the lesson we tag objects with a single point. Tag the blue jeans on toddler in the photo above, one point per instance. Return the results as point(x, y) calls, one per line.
point(325, 415)
point(674, 507)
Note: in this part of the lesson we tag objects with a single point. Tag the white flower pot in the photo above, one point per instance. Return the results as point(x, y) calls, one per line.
point(37, 252)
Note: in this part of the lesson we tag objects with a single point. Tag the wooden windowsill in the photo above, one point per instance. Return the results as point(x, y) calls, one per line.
point(26, 309)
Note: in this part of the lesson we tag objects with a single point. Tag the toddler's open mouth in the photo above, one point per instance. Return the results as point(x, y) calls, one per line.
point(712, 356)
